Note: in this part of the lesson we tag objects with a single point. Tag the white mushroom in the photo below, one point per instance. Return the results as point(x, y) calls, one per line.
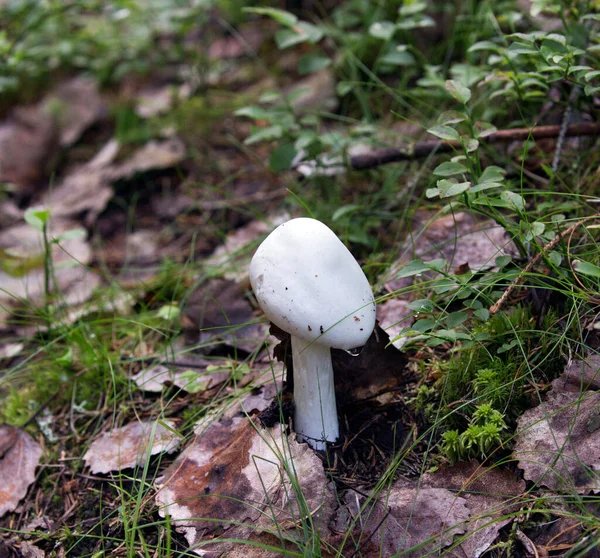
point(309, 284)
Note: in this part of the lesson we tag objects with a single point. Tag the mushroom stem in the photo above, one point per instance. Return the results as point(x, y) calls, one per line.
point(315, 413)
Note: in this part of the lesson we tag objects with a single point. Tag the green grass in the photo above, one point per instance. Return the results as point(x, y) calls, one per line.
point(473, 370)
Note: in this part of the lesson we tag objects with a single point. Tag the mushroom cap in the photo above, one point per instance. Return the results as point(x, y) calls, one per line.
point(309, 284)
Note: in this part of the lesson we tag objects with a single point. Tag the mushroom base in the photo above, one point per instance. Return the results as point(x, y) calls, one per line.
point(315, 413)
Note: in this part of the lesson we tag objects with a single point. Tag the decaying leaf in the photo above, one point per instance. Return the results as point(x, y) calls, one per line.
point(490, 495)
point(88, 188)
point(376, 370)
point(232, 258)
point(237, 478)
point(191, 375)
point(219, 310)
point(558, 441)
point(394, 315)
point(19, 456)
point(28, 141)
point(76, 104)
point(459, 239)
point(24, 250)
point(130, 445)
point(406, 519)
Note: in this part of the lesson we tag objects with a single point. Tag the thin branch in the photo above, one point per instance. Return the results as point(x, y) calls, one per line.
point(422, 149)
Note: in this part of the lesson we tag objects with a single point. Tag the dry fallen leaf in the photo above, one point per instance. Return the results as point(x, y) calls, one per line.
point(232, 259)
point(76, 105)
point(71, 278)
point(237, 478)
point(558, 441)
point(88, 188)
point(130, 445)
point(19, 456)
point(490, 495)
point(459, 239)
point(405, 519)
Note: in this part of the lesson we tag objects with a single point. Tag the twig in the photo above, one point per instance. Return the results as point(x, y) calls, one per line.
point(422, 149)
point(552, 244)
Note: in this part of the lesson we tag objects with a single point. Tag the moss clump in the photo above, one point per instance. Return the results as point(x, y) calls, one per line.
point(482, 387)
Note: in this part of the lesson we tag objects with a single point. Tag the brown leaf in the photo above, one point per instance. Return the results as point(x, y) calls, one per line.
point(88, 189)
point(218, 310)
point(130, 445)
point(19, 456)
point(71, 278)
point(77, 105)
point(404, 519)
point(377, 369)
point(490, 495)
point(459, 239)
point(558, 441)
point(579, 375)
point(237, 478)
point(28, 141)
point(232, 258)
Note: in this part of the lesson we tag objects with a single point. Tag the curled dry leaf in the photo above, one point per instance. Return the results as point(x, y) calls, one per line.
point(406, 519)
point(19, 456)
point(490, 494)
point(88, 188)
point(238, 478)
point(25, 247)
point(232, 258)
point(459, 239)
point(130, 445)
point(218, 311)
point(558, 441)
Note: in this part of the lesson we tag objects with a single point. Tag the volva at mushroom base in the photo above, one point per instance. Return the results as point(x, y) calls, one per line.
point(309, 284)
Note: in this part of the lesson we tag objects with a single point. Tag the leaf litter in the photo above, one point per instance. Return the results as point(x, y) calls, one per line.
point(20, 455)
point(558, 442)
point(131, 445)
point(238, 478)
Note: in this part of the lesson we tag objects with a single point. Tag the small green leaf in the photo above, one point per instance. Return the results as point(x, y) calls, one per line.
point(310, 63)
point(264, 134)
point(555, 257)
point(449, 169)
point(483, 129)
point(448, 188)
point(282, 157)
point(513, 199)
point(383, 30)
point(37, 218)
point(412, 8)
point(456, 318)
point(586, 268)
point(461, 93)
point(417, 267)
point(483, 314)
point(484, 45)
point(344, 87)
point(423, 305)
point(444, 132)
point(168, 312)
point(502, 261)
point(254, 112)
point(344, 210)
point(280, 16)
point(66, 359)
point(451, 117)
point(421, 326)
point(492, 174)
point(432, 193)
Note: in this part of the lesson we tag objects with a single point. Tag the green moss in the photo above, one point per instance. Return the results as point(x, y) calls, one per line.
point(482, 387)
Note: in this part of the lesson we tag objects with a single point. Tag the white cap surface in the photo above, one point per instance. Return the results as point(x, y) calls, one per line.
point(309, 284)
